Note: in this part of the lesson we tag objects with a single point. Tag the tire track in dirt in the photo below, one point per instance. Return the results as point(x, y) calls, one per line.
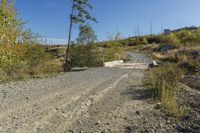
point(74, 110)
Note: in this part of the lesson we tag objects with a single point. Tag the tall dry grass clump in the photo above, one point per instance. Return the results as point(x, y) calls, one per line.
point(163, 83)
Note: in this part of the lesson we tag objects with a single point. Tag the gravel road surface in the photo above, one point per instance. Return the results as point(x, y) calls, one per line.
point(95, 100)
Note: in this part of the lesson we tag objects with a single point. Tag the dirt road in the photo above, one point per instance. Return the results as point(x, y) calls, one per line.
point(96, 100)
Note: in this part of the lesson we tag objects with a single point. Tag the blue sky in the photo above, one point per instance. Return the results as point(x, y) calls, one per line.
point(50, 18)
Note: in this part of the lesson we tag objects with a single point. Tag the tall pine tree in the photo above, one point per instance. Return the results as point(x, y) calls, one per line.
point(79, 16)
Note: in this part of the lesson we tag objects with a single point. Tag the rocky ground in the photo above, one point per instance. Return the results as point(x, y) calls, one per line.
point(190, 98)
point(96, 100)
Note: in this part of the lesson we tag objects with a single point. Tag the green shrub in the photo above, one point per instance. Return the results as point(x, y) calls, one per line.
point(85, 56)
point(19, 54)
point(35, 56)
point(12, 60)
point(24, 60)
point(111, 54)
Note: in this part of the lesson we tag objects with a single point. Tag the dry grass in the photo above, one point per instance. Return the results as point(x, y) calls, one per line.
point(187, 58)
point(159, 56)
point(164, 85)
point(144, 48)
point(181, 54)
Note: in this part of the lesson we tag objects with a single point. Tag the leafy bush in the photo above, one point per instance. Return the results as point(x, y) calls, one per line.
point(36, 58)
point(85, 56)
point(111, 54)
point(20, 56)
point(19, 61)
point(189, 37)
point(12, 59)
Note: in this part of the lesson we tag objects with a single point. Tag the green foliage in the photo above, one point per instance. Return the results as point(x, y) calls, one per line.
point(113, 49)
point(189, 37)
point(113, 53)
point(85, 53)
point(11, 58)
point(20, 56)
point(80, 12)
point(86, 35)
point(85, 56)
point(79, 15)
point(10, 26)
point(35, 56)
point(28, 37)
point(21, 61)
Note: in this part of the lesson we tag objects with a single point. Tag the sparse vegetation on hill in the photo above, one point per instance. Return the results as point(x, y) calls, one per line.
point(177, 38)
point(182, 58)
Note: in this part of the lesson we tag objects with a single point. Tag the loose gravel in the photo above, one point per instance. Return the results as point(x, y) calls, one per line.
point(102, 100)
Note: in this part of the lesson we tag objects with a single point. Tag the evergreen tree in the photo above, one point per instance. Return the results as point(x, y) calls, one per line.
point(79, 15)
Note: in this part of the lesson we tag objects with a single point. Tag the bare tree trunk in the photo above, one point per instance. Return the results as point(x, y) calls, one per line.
point(66, 67)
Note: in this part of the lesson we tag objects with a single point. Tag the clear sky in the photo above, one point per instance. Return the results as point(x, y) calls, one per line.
point(50, 18)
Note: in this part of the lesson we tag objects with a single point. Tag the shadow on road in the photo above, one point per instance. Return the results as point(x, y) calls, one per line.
point(137, 93)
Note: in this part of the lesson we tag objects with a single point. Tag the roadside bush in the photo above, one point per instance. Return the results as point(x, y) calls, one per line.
point(164, 85)
point(93, 55)
point(85, 56)
point(111, 54)
point(12, 60)
point(114, 49)
point(36, 59)
point(49, 68)
point(23, 60)
point(20, 56)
